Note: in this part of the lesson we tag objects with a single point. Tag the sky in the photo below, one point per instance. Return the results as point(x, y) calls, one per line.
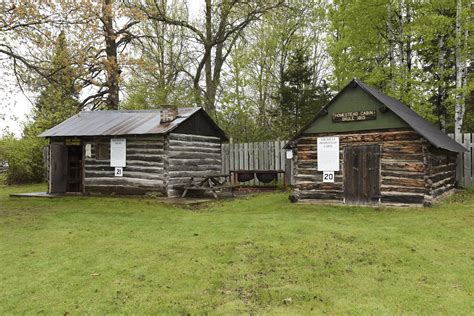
point(15, 106)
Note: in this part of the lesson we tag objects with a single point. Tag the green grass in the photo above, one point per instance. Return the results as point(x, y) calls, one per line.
point(254, 255)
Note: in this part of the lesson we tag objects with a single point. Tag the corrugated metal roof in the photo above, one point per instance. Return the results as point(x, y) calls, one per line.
point(419, 124)
point(97, 123)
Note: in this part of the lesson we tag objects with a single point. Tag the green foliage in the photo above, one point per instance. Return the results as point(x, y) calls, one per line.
point(24, 157)
point(405, 48)
point(254, 255)
point(300, 99)
point(58, 100)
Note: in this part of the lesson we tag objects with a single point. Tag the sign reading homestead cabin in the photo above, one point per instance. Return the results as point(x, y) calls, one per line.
point(338, 117)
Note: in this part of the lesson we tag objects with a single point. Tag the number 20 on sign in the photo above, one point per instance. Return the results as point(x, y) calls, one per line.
point(328, 176)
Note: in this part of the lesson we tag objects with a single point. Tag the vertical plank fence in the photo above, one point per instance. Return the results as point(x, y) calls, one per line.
point(257, 156)
point(465, 163)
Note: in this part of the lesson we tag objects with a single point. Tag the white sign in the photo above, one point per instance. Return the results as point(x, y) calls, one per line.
point(328, 176)
point(328, 153)
point(289, 154)
point(118, 152)
point(88, 150)
point(119, 172)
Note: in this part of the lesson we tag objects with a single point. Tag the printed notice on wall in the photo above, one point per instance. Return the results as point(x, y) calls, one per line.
point(118, 152)
point(88, 150)
point(328, 153)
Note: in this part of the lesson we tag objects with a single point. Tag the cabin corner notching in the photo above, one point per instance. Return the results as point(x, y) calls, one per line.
point(385, 154)
point(132, 152)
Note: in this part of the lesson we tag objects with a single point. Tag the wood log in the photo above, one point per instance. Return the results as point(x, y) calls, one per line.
point(194, 149)
point(142, 151)
point(402, 165)
point(443, 175)
point(194, 138)
point(403, 147)
point(403, 198)
point(393, 181)
point(133, 182)
point(386, 189)
point(186, 161)
point(403, 174)
point(322, 186)
point(443, 168)
point(444, 181)
point(155, 158)
point(402, 156)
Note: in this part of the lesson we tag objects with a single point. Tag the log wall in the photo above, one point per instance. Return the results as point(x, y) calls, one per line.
point(442, 172)
point(144, 171)
point(190, 156)
point(403, 167)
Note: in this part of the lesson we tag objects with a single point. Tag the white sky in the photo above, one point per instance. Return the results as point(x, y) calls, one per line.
point(15, 107)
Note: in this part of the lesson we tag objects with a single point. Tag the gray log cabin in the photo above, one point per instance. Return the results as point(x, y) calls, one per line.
point(132, 152)
point(365, 147)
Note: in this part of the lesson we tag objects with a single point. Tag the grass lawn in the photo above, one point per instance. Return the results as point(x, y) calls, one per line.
point(253, 255)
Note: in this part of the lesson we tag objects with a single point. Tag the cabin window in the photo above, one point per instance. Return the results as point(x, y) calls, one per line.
point(102, 151)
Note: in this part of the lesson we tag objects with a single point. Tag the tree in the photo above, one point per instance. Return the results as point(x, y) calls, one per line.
point(215, 35)
point(160, 62)
point(300, 99)
point(58, 100)
point(253, 80)
point(413, 51)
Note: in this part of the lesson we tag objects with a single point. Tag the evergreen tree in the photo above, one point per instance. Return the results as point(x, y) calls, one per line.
point(59, 99)
point(300, 98)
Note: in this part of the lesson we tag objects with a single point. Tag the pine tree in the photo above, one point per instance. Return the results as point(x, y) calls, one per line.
point(58, 100)
point(300, 98)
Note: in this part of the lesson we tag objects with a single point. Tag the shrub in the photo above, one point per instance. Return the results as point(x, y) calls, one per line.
point(24, 157)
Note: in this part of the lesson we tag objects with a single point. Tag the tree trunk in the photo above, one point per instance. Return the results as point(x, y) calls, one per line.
point(111, 64)
point(391, 43)
point(440, 108)
point(459, 106)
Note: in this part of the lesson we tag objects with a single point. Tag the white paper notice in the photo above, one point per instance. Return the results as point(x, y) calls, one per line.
point(118, 152)
point(88, 150)
point(328, 153)
point(289, 154)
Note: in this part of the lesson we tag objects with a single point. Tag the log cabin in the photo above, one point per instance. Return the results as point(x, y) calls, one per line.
point(132, 152)
point(365, 147)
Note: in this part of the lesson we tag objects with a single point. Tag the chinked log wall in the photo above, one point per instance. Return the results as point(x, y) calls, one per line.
point(403, 166)
point(144, 171)
point(190, 156)
point(442, 168)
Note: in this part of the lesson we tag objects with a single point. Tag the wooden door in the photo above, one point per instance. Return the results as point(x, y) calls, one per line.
point(74, 169)
point(362, 174)
point(58, 168)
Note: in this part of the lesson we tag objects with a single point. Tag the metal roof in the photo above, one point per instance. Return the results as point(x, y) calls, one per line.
point(430, 132)
point(107, 123)
point(433, 134)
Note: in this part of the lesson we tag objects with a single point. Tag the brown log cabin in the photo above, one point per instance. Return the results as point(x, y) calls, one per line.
point(133, 152)
point(385, 153)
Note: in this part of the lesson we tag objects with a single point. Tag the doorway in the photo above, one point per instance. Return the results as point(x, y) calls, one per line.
point(74, 169)
point(362, 174)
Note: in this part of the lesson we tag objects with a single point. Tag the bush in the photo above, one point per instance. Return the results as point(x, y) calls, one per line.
point(24, 157)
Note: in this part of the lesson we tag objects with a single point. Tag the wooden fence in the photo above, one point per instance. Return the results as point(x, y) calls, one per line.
point(257, 156)
point(465, 165)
